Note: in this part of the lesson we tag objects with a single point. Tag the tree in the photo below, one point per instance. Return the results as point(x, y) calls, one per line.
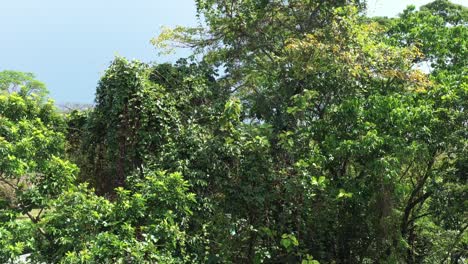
point(145, 223)
point(143, 116)
point(439, 29)
point(305, 133)
point(32, 168)
point(347, 136)
point(66, 222)
point(22, 83)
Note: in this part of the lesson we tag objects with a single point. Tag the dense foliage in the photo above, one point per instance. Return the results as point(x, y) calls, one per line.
point(299, 132)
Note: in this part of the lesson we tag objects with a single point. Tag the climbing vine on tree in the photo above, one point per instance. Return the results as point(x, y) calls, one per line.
point(298, 132)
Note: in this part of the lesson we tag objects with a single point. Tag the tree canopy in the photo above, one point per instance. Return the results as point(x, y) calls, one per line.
point(298, 132)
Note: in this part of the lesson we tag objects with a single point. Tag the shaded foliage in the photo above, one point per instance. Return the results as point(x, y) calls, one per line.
point(326, 137)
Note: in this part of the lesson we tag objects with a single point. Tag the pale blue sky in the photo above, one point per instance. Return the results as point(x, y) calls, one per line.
point(68, 44)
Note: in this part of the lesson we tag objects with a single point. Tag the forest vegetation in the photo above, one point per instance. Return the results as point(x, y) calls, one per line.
point(298, 131)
